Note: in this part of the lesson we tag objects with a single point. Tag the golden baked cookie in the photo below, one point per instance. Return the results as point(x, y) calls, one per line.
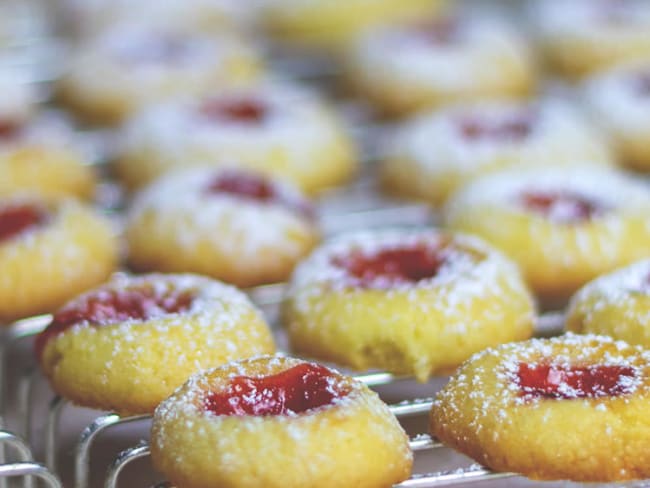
point(127, 345)
point(43, 156)
point(563, 227)
point(616, 304)
point(50, 252)
point(582, 37)
point(114, 75)
point(620, 100)
point(408, 68)
point(434, 154)
point(278, 423)
point(277, 128)
point(415, 302)
point(332, 25)
point(231, 224)
point(569, 408)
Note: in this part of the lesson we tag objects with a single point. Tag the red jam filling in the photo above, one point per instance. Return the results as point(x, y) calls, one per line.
point(294, 391)
point(572, 382)
point(9, 129)
point(515, 128)
point(242, 110)
point(110, 307)
point(562, 206)
point(391, 267)
point(256, 188)
point(16, 219)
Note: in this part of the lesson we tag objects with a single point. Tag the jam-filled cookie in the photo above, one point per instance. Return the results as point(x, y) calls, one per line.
point(332, 25)
point(116, 74)
point(50, 252)
point(19, 96)
point(277, 128)
point(407, 68)
point(42, 155)
point(581, 37)
point(434, 154)
point(563, 227)
point(128, 344)
point(620, 100)
point(234, 225)
point(278, 423)
point(616, 304)
point(572, 408)
point(411, 302)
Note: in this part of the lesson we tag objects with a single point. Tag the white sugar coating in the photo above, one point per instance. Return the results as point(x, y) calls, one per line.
point(569, 350)
point(616, 191)
point(588, 18)
point(95, 14)
point(559, 133)
point(60, 246)
point(48, 128)
point(210, 299)
point(185, 409)
point(196, 213)
point(398, 52)
point(470, 268)
point(122, 55)
point(615, 100)
point(18, 94)
point(294, 124)
point(620, 288)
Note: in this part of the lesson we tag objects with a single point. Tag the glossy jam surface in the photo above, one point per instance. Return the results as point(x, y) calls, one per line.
point(249, 111)
point(296, 390)
point(16, 219)
point(111, 306)
point(563, 207)
point(516, 127)
point(256, 188)
point(391, 267)
point(571, 382)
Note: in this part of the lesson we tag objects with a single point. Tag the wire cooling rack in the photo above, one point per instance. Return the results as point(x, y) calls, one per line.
point(265, 297)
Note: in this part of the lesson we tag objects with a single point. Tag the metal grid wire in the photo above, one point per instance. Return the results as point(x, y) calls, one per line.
point(266, 296)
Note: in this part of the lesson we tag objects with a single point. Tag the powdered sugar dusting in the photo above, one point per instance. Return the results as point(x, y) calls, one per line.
point(469, 269)
point(196, 214)
point(558, 135)
point(502, 365)
point(209, 298)
point(613, 190)
point(616, 100)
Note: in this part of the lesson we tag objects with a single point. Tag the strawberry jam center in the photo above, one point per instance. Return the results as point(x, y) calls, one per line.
point(572, 382)
point(391, 267)
point(111, 306)
point(562, 206)
point(249, 111)
point(296, 390)
point(16, 219)
point(515, 128)
point(256, 188)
